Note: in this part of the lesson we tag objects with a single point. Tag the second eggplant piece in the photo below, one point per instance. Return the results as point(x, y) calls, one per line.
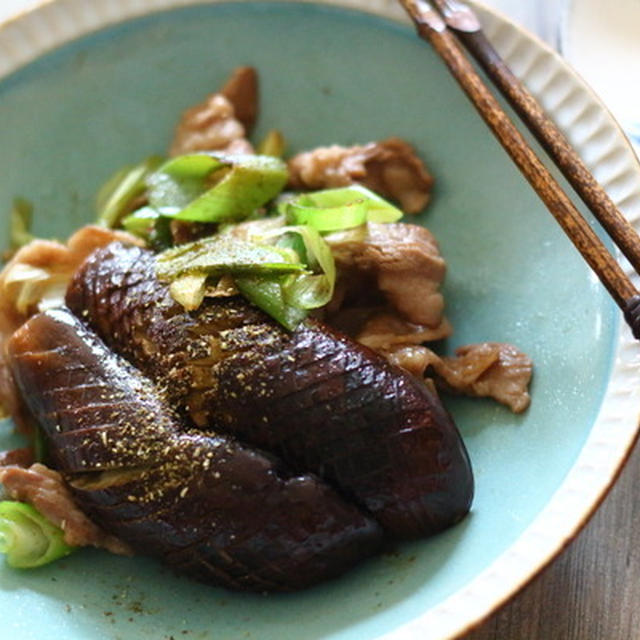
point(314, 397)
point(206, 505)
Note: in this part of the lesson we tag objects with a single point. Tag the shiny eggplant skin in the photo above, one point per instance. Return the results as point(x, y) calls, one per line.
point(314, 397)
point(205, 504)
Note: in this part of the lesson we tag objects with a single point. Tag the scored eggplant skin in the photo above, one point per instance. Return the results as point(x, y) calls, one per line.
point(313, 397)
point(207, 505)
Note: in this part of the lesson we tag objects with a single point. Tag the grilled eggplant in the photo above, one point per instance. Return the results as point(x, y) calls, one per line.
point(204, 503)
point(313, 397)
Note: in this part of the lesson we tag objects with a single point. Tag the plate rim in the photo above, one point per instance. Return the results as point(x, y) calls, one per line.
point(570, 43)
point(49, 24)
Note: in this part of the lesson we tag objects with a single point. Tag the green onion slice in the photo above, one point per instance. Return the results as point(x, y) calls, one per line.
point(217, 255)
point(27, 538)
point(338, 209)
point(215, 187)
point(284, 279)
point(20, 223)
point(141, 222)
point(308, 290)
point(189, 290)
point(272, 144)
point(267, 293)
point(114, 197)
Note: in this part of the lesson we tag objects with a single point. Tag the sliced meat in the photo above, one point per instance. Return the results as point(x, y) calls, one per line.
point(489, 369)
point(35, 278)
point(205, 504)
point(23, 457)
point(414, 358)
point(384, 330)
point(313, 397)
point(391, 168)
point(404, 262)
point(223, 120)
point(46, 491)
point(241, 90)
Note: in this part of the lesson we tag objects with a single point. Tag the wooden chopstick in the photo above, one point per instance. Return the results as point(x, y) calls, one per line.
point(431, 27)
point(463, 20)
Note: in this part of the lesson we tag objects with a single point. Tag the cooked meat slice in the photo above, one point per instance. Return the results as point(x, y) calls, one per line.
point(314, 397)
point(205, 504)
point(10, 401)
point(241, 89)
point(405, 263)
point(391, 168)
point(46, 491)
point(493, 369)
point(23, 457)
point(35, 278)
point(210, 126)
point(382, 330)
point(402, 261)
point(488, 369)
point(414, 358)
point(43, 268)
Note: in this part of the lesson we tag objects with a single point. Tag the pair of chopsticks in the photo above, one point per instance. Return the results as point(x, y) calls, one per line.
point(435, 20)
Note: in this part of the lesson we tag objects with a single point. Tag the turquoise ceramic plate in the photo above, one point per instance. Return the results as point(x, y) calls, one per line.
point(78, 99)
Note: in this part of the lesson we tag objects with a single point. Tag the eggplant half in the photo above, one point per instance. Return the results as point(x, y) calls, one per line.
point(207, 505)
point(313, 397)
